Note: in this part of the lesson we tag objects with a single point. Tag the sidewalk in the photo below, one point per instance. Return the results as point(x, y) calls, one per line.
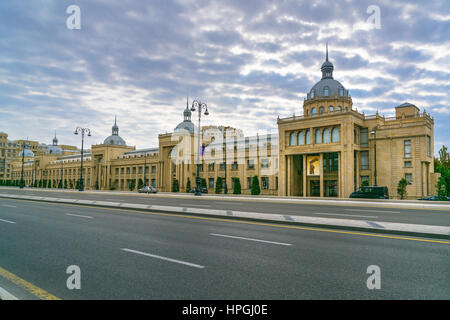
point(385, 203)
point(345, 224)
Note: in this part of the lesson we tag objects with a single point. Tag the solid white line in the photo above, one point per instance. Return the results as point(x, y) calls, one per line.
point(6, 221)
point(250, 239)
point(345, 215)
point(77, 215)
point(164, 258)
point(379, 211)
point(5, 295)
point(8, 205)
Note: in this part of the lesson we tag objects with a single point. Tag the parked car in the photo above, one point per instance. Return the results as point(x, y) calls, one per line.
point(435, 198)
point(373, 192)
point(203, 190)
point(148, 189)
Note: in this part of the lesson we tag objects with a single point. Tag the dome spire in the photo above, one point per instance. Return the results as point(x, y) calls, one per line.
point(55, 140)
point(115, 128)
point(327, 67)
point(187, 112)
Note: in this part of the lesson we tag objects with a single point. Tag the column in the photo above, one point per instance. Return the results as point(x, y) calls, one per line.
point(304, 176)
point(321, 175)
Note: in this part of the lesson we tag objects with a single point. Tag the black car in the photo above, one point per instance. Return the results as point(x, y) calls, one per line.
point(436, 198)
point(373, 192)
point(203, 190)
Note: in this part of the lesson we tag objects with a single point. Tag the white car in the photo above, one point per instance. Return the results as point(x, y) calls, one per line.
point(148, 189)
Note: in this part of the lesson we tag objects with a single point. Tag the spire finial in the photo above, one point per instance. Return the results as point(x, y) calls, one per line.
point(115, 120)
point(327, 52)
point(187, 102)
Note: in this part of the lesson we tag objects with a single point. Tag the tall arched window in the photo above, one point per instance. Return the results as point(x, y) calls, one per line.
point(313, 111)
point(339, 108)
point(292, 139)
point(318, 137)
point(335, 135)
point(326, 135)
point(330, 108)
point(321, 110)
point(307, 137)
point(325, 91)
point(301, 138)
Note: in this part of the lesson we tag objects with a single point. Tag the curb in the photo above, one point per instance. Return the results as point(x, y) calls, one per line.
point(428, 231)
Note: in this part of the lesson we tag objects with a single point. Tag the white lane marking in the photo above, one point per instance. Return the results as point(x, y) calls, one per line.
point(7, 221)
point(345, 215)
point(250, 239)
point(8, 206)
point(379, 211)
point(77, 215)
point(164, 258)
point(5, 295)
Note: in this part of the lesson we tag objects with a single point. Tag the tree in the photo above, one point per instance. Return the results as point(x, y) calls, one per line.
point(131, 184)
point(188, 185)
point(49, 184)
point(442, 166)
point(203, 183)
point(365, 183)
point(70, 184)
point(175, 186)
point(255, 186)
point(35, 184)
point(140, 183)
point(401, 188)
point(65, 184)
point(77, 185)
point(236, 186)
point(442, 189)
point(219, 185)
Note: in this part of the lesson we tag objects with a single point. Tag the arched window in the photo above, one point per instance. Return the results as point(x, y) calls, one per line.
point(313, 111)
point(321, 110)
point(292, 139)
point(301, 138)
point(335, 135)
point(307, 137)
point(339, 108)
point(318, 137)
point(325, 91)
point(326, 135)
point(330, 108)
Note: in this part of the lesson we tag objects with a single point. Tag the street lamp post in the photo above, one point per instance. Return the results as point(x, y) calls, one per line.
point(225, 189)
point(145, 167)
point(374, 132)
point(22, 182)
point(200, 106)
point(83, 131)
point(62, 174)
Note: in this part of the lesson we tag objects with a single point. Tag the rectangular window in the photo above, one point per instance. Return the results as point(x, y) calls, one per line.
point(211, 166)
point(364, 137)
point(222, 166)
point(153, 169)
point(364, 160)
point(265, 183)
point(140, 170)
point(265, 163)
point(249, 182)
point(407, 148)
point(428, 146)
point(211, 183)
point(408, 177)
point(234, 166)
point(134, 170)
point(408, 164)
point(250, 164)
point(122, 170)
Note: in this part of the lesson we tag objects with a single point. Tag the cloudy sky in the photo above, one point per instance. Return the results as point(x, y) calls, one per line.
point(250, 61)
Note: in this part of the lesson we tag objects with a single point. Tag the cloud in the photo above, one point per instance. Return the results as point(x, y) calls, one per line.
point(249, 60)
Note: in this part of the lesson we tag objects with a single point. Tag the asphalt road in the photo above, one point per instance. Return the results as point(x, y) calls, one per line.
point(385, 212)
point(125, 254)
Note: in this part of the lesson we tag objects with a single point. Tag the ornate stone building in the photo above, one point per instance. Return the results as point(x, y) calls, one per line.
point(328, 151)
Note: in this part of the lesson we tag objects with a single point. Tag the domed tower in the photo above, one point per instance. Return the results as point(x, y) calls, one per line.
point(114, 138)
point(187, 124)
point(328, 95)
